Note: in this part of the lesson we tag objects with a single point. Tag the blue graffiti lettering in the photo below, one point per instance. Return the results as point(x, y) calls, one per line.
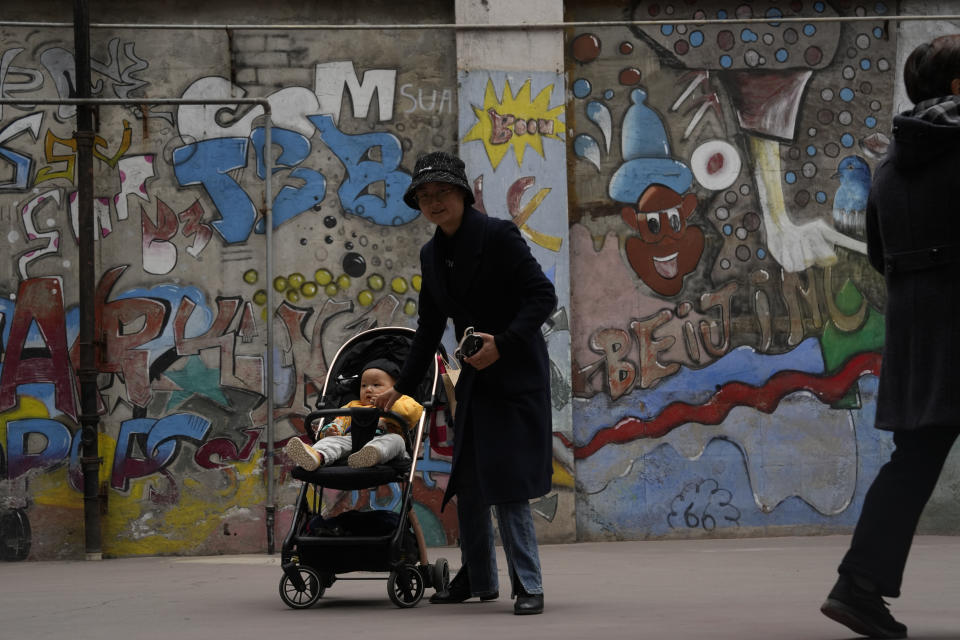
point(354, 152)
point(392, 503)
point(21, 169)
point(55, 450)
point(428, 466)
point(22, 164)
point(208, 163)
point(290, 201)
point(159, 441)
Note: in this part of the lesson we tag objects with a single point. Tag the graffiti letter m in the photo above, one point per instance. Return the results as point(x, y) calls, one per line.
point(331, 78)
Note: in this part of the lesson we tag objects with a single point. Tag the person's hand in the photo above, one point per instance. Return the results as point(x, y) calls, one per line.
point(385, 400)
point(487, 355)
point(327, 430)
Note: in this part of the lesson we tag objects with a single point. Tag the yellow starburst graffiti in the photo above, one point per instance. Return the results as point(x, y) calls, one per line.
point(515, 121)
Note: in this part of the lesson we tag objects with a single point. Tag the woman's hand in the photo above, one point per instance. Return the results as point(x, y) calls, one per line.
point(385, 400)
point(487, 355)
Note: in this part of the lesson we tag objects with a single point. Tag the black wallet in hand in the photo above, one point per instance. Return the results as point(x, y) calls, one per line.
point(469, 345)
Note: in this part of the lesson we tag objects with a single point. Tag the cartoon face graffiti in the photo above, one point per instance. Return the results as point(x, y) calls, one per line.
point(668, 248)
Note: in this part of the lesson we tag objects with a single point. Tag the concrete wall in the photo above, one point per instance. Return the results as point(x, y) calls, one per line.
point(729, 391)
point(181, 263)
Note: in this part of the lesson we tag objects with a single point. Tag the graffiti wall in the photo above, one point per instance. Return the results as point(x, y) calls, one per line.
point(726, 326)
point(693, 184)
point(180, 261)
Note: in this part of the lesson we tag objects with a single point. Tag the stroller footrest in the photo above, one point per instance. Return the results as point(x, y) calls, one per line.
point(342, 541)
point(340, 476)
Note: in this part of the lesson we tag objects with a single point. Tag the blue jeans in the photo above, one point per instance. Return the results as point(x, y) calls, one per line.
point(477, 548)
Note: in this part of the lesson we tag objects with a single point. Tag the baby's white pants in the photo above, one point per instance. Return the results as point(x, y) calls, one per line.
point(333, 448)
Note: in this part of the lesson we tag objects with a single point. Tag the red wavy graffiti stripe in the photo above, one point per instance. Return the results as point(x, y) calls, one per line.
point(829, 389)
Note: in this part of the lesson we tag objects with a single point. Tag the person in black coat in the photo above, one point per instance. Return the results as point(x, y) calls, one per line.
point(479, 272)
point(911, 219)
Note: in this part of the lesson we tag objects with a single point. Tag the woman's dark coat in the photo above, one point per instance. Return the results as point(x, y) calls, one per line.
point(498, 288)
point(912, 218)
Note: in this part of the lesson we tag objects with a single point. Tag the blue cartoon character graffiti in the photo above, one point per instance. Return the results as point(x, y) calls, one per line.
point(654, 186)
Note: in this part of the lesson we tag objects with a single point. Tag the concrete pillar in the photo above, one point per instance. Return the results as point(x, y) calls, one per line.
point(538, 50)
point(512, 136)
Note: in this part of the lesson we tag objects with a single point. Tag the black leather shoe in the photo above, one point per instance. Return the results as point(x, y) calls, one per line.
point(459, 591)
point(861, 609)
point(528, 604)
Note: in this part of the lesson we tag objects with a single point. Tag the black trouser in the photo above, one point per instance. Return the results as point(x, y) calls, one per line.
point(893, 504)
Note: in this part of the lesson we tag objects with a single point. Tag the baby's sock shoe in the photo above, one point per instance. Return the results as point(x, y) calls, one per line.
point(302, 455)
point(368, 456)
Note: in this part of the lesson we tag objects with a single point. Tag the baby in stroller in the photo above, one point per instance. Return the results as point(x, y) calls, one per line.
point(334, 440)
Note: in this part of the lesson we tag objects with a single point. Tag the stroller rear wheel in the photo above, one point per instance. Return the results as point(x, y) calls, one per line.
point(405, 586)
point(296, 598)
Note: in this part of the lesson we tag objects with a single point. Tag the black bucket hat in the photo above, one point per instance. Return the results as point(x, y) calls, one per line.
point(438, 167)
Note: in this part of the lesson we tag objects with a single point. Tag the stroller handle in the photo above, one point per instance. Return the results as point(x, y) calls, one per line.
point(366, 414)
point(356, 411)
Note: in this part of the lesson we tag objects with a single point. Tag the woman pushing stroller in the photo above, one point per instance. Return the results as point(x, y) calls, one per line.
point(478, 271)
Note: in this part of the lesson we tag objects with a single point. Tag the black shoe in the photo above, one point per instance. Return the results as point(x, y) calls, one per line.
point(862, 610)
point(528, 604)
point(459, 591)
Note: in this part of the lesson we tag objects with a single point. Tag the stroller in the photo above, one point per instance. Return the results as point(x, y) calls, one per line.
point(318, 552)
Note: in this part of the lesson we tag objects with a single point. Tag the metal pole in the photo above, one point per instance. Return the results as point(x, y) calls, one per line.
point(134, 102)
point(268, 225)
point(89, 421)
point(507, 26)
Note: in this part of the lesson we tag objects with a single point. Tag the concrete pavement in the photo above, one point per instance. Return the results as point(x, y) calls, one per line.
point(768, 588)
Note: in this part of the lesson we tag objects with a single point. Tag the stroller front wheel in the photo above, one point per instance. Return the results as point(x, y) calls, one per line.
point(405, 586)
point(440, 574)
point(295, 598)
